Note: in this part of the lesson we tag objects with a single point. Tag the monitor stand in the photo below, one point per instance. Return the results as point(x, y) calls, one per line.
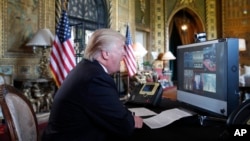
point(210, 120)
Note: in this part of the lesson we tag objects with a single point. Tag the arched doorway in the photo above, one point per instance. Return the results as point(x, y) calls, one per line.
point(185, 23)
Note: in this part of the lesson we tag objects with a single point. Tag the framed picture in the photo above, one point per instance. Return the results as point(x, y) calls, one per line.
point(165, 83)
point(20, 22)
point(6, 69)
point(25, 23)
point(24, 70)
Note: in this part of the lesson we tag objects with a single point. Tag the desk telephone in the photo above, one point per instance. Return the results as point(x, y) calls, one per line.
point(149, 93)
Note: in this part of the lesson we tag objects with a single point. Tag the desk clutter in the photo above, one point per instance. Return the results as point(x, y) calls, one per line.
point(197, 125)
point(160, 120)
point(39, 91)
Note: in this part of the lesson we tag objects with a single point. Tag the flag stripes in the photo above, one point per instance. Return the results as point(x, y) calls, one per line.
point(129, 57)
point(62, 57)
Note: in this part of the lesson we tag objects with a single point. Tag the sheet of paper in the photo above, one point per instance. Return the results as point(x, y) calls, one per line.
point(141, 111)
point(165, 118)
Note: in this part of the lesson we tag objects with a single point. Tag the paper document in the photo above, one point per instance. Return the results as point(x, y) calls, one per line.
point(142, 111)
point(165, 118)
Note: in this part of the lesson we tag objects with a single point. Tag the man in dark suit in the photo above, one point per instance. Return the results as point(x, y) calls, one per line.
point(87, 107)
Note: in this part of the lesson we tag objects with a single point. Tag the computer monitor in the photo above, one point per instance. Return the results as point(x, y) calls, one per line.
point(208, 76)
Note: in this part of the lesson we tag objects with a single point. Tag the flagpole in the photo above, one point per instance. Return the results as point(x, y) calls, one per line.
point(65, 5)
point(128, 88)
point(128, 84)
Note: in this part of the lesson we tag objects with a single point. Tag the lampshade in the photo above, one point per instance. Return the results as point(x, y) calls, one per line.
point(139, 50)
point(242, 45)
point(168, 56)
point(43, 38)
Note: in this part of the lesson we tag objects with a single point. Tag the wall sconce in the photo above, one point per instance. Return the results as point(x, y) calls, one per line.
point(166, 57)
point(40, 42)
point(184, 27)
point(185, 21)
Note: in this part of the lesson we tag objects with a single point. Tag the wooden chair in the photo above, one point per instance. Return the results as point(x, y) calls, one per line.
point(18, 114)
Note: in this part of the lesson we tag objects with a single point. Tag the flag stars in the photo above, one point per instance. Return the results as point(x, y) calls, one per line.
point(63, 29)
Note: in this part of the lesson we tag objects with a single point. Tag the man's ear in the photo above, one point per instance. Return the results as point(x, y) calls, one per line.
point(105, 55)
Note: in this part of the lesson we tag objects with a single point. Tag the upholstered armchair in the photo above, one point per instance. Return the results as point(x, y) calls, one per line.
point(18, 114)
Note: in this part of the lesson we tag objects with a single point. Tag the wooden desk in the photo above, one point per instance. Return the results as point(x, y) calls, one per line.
point(182, 129)
point(170, 93)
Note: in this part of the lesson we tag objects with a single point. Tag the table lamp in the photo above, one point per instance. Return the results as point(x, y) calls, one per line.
point(139, 52)
point(42, 39)
point(166, 57)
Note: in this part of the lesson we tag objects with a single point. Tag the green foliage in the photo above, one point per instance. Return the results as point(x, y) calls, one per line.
point(147, 63)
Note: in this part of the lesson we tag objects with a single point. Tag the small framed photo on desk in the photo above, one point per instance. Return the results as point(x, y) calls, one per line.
point(165, 83)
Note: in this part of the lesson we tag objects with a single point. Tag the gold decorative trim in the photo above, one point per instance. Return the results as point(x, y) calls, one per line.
point(1, 28)
point(58, 10)
point(211, 19)
point(113, 14)
point(23, 52)
point(46, 19)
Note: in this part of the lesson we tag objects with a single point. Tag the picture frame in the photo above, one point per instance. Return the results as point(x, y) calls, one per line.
point(19, 30)
point(6, 69)
point(25, 17)
point(165, 83)
point(24, 70)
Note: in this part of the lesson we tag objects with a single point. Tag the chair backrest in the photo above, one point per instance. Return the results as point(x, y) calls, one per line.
point(241, 115)
point(18, 114)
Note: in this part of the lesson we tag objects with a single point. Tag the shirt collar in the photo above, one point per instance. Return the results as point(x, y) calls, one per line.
point(105, 69)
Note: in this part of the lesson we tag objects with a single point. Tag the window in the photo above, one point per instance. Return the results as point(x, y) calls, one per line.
point(85, 17)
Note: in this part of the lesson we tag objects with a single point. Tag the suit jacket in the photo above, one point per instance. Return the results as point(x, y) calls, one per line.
point(87, 107)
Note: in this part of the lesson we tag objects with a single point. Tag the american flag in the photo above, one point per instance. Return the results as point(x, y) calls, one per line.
point(129, 57)
point(62, 56)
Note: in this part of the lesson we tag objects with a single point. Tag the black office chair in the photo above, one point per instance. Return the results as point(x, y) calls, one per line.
point(241, 115)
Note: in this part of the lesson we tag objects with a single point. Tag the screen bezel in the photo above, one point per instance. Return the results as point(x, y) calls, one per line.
point(224, 105)
point(152, 92)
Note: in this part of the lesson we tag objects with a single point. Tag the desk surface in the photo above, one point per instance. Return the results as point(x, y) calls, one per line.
point(185, 128)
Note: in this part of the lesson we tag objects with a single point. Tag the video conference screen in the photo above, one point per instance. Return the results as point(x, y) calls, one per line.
point(202, 70)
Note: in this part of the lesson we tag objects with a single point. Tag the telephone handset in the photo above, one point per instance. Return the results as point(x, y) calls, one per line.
point(149, 93)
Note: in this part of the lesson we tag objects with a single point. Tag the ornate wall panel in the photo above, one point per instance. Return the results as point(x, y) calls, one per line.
point(126, 15)
point(159, 26)
point(211, 20)
point(19, 20)
point(236, 23)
